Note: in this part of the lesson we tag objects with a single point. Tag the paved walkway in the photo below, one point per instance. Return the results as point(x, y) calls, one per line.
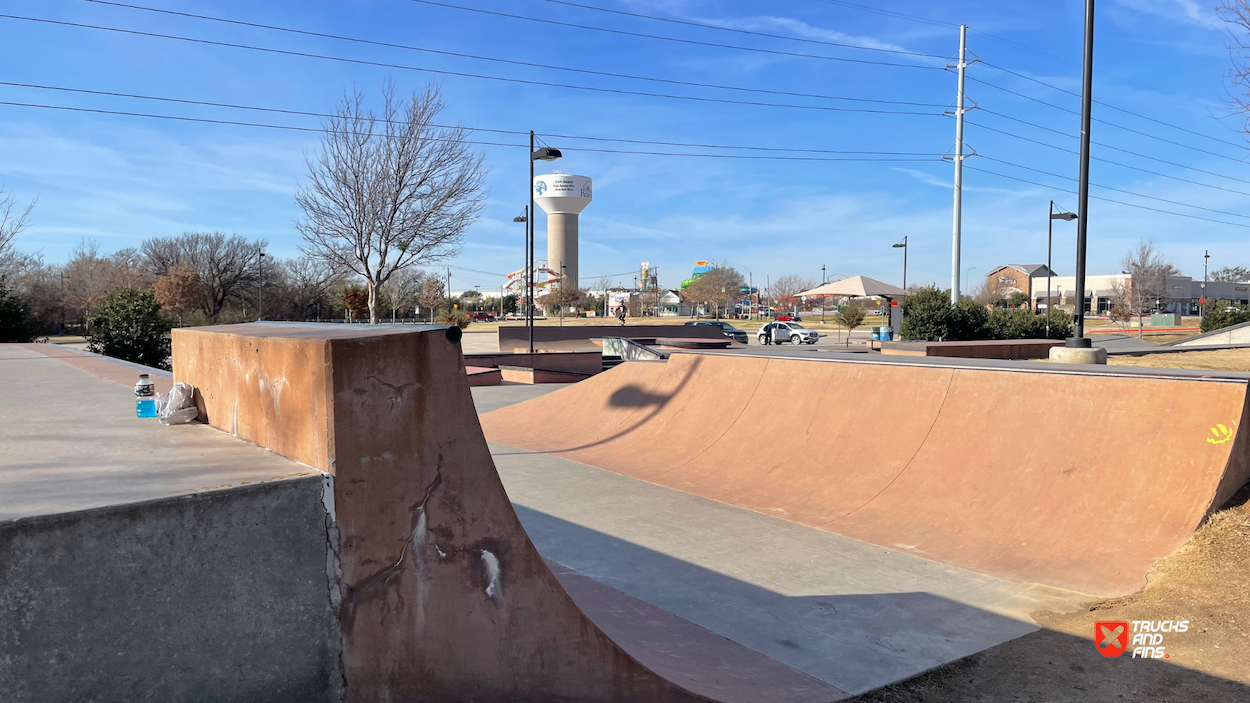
point(853, 615)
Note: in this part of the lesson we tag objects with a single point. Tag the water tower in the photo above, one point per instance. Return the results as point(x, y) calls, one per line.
point(562, 197)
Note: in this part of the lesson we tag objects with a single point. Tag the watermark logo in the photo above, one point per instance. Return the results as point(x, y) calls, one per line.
point(1222, 434)
point(1111, 636)
point(1143, 637)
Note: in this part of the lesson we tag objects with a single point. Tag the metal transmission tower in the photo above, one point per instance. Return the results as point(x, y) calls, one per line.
point(958, 158)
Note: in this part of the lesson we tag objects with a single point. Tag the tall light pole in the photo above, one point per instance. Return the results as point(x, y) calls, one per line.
point(823, 280)
point(543, 154)
point(1202, 301)
point(968, 274)
point(1050, 228)
point(1078, 338)
point(903, 245)
point(523, 298)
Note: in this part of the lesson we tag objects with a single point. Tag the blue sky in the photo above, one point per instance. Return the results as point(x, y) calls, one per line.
point(119, 179)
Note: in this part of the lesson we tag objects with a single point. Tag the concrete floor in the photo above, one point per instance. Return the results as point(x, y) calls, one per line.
point(853, 615)
point(82, 447)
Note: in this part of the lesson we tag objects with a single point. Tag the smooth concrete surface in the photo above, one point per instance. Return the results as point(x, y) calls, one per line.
point(848, 613)
point(217, 597)
point(1233, 334)
point(69, 440)
point(696, 658)
point(954, 462)
point(1078, 355)
point(490, 398)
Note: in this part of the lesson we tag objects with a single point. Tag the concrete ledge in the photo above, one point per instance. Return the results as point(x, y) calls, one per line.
point(479, 376)
point(520, 374)
point(1078, 355)
point(978, 349)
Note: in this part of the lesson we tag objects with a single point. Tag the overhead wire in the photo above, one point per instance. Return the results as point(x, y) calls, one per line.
point(1113, 107)
point(1108, 146)
point(304, 113)
point(1104, 199)
point(864, 158)
point(529, 64)
point(547, 84)
point(1118, 190)
point(673, 39)
point(1107, 161)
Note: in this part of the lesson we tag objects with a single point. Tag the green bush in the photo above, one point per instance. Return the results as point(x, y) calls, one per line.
point(457, 319)
point(926, 315)
point(929, 315)
point(1217, 316)
point(128, 325)
point(967, 321)
point(15, 322)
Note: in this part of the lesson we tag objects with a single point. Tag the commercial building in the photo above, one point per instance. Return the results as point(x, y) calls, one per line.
point(1181, 294)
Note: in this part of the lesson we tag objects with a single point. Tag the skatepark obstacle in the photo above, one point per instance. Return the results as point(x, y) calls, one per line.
point(441, 595)
point(1075, 478)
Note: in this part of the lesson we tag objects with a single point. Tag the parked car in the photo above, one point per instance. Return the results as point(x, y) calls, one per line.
point(788, 318)
point(482, 316)
point(730, 331)
point(782, 332)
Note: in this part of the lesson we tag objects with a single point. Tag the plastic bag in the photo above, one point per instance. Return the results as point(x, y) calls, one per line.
point(177, 407)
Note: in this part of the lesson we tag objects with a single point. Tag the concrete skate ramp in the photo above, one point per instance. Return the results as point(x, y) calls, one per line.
point(1073, 479)
point(442, 596)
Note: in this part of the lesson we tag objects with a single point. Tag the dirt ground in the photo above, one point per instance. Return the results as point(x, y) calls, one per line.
point(1207, 581)
point(1218, 360)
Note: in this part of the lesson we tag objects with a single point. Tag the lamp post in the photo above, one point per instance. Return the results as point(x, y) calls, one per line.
point(545, 153)
point(1078, 338)
point(560, 300)
point(1050, 227)
point(968, 273)
point(1202, 301)
point(903, 245)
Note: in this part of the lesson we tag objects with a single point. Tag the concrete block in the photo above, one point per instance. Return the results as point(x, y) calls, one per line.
point(1078, 355)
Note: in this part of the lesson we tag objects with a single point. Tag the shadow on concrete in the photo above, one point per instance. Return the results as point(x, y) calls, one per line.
point(859, 642)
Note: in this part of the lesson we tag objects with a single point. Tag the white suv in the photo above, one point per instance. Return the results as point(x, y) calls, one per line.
point(782, 332)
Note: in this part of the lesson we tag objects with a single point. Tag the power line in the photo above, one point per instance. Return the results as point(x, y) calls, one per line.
point(304, 113)
point(1106, 161)
point(321, 130)
point(734, 30)
point(1002, 40)
point(1118, 190)
point(675, 39)
point(362, 62)
point(1113, 148)
point(1113, 107)
point(512, 62)
point(1109, 200)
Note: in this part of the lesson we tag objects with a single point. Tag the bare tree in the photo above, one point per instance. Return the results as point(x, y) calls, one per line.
point(717, 288)
point(1148, 274)
point(389, 191)
point(226, 265)
point(433, 291)
point(13, 220)
point(1231, 274)
point(400, 293)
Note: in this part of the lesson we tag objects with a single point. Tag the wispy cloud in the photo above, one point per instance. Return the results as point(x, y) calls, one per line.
point(1189, 12)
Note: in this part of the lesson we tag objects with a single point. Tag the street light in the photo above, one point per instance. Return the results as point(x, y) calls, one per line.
point(1078, 338)
point(523, 299)
point(1202, 301)
point(968, 273)
point(903, 245)
point(545, 153)
point(1050, 226)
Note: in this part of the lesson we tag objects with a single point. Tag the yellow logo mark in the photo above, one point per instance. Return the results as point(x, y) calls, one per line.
point(1222, 434)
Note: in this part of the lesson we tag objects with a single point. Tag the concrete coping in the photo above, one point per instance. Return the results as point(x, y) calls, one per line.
point(1019, 366)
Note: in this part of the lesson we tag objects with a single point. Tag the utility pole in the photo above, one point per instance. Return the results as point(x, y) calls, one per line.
point(959, 163)
point(1078, 338)
point(448, 290)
